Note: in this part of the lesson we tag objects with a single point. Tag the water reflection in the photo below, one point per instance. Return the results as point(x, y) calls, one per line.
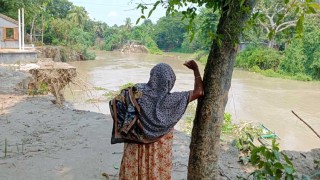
point(252, 97)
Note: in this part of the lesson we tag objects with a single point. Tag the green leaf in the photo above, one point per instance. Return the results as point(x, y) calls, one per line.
point(271, 34)
point(241, 3)
point(278, 173)
point(289, 170)
point(138, 20)
point(289, 177)
point(299, 26)
point(276, 154)
point(154, 7)
point(314, 5)
point(297, 10)
point(268, 168)
point(278, 165)
point(312, 10)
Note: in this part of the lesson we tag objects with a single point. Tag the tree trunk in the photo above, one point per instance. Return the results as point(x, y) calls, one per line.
point(271, 43)
point(34, 32)
point(204, 147)
point(31, 29)
point(42, 30)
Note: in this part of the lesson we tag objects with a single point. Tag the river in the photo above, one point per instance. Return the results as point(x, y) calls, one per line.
point(252, 97)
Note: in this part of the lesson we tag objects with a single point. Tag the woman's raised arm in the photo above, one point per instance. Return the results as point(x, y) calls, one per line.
point(198, 85)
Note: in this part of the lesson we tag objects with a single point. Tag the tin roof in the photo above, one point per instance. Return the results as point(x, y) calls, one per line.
point(8, 19)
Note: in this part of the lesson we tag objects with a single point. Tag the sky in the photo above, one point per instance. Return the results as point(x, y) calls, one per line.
point(116, 11)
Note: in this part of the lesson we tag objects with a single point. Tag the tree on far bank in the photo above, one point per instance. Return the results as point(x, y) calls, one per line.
point(169, 31)
point(276, 16)
point(78, 15)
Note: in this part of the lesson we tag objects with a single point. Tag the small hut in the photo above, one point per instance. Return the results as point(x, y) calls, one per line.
point(12, 47)
point(9, 33)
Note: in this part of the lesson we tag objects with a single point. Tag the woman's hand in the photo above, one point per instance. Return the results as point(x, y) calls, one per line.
point(191, 64)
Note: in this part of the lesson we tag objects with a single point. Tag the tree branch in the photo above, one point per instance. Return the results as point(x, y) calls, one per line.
point(306, 123)
point(286, 25)
point(265, 26)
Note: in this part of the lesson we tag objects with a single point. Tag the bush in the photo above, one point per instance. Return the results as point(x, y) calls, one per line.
point(255, 68)
point(302, 77)
point(294, 60)
point(270, 73)
point(88, 55)
point(263, 57)
point(63, 55)
point(271, 163)
point(227, 125)
point(152, 46)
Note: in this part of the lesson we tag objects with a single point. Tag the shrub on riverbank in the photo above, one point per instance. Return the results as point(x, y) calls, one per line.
point(280, 74)
point(264, 58)
point(299, 60)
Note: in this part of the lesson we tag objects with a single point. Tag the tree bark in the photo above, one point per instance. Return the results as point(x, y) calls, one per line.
point(204, 147)
point(31, 29)
point(42, 29)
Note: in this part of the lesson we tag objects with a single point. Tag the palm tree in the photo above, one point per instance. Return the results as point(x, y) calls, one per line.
point(98, 28)
point(128, 24)
point(79, 16)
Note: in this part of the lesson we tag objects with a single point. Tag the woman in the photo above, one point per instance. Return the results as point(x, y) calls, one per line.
point(160, 111)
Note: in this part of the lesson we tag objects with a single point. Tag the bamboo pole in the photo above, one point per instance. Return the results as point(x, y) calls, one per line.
point(19, 26)
point(22, 31)
point(305, 123)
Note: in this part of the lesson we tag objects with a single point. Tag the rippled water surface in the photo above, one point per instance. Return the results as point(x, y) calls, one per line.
point(252, 97)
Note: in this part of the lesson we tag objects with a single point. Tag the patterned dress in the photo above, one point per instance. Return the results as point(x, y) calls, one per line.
point(147, 161)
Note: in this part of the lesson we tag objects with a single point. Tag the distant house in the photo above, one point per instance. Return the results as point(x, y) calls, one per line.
point(9, 33)
point(10, 51)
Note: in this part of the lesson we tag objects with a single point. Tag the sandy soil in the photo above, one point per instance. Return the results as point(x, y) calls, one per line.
point(48, 142)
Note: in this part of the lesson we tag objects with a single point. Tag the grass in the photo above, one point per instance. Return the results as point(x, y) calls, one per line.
point(6, 151)
point(227, 126)
point(5, 147)
point(272, 73)
point(97, 88)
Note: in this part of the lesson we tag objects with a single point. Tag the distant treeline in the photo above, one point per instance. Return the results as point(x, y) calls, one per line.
point(276, 44)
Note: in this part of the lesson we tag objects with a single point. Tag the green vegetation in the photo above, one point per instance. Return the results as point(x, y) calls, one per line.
point(227, 125)
point(58, 22)
point(97, 88)
point(270, 164)
point(268, 161)
point(61, 23)
point(39, 89)
point(296, 59)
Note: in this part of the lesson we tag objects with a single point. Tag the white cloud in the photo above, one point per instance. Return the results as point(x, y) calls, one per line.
point(112, 14)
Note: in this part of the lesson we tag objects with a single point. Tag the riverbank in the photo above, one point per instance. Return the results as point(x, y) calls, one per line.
point(47, 142)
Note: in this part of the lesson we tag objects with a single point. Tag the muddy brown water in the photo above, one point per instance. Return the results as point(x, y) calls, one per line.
point(252, 97)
